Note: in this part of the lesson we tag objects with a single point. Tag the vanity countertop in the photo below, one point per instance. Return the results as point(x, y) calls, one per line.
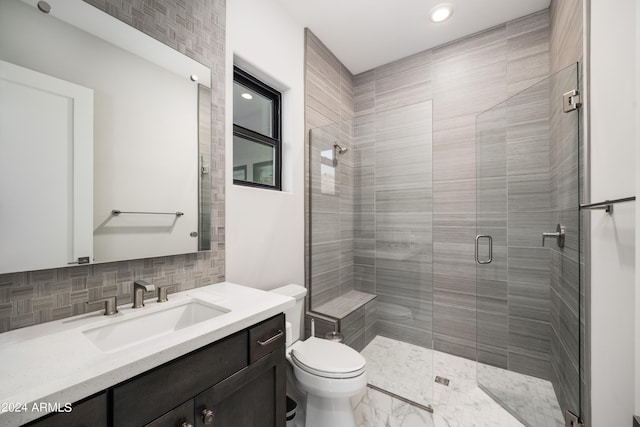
point(55, 362)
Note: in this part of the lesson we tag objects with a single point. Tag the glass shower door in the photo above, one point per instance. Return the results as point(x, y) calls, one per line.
point(371, 239)
point(528, 288)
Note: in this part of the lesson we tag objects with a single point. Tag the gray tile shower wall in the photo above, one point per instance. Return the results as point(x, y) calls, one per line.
point(567, 292)
point(528, 201)
point(329, 112)
point(197, 29)
point(529, 311)
point(393, 218)
point(463, 79)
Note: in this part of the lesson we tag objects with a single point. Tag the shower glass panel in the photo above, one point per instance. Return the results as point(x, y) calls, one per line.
point(331, 180)
point(528, 291)
point(370, 249)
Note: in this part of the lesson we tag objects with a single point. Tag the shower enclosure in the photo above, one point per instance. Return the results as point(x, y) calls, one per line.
point(371, 231)
point(528, 174)
point(371, 251)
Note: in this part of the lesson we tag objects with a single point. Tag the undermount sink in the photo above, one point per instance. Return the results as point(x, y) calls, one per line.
point(132, 331)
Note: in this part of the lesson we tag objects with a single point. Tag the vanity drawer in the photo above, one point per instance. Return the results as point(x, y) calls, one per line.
point(176, 417)
point(152, 394)
point(266, 337)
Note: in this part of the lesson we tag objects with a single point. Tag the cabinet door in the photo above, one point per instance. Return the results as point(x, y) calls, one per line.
point(150, 395)
point(182, 416)
point(253, 397)
point(91, 412)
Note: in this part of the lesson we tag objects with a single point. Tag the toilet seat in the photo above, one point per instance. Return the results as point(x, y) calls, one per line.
point(327, 359)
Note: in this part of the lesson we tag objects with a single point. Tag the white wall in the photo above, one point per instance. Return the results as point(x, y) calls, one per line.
point(613, 175)
point(265, 229)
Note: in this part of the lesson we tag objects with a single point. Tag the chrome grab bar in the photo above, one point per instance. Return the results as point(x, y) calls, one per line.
point(607, 205)
point(478, 237)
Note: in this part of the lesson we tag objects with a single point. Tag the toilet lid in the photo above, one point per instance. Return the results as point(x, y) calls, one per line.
point(327, 358)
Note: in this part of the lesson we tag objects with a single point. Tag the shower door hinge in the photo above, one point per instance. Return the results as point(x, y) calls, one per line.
point(572, 420)
point(571, 101)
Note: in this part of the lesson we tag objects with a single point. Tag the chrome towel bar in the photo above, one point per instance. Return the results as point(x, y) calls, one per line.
point(607, 205)
point(117, 212)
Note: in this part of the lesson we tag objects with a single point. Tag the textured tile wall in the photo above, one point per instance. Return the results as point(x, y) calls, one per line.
point(528, 201)
point(329, 213)
point(197, 29)
point(463, 79)
point(570, 335)
point(492, 289)
point(330, 252)
point(566, 33)
point(565, 273)
point(522, 309)
point(393, 222)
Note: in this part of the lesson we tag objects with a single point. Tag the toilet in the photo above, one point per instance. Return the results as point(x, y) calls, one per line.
point(328, 373)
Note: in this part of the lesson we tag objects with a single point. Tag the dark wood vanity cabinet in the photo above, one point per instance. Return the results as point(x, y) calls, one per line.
point(150, 395)
point(238, 381)
point(251, 397)
point(235, 382)
point(182, 416)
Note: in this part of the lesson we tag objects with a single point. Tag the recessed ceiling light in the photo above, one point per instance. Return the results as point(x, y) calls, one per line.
point(441, 12)
point(246, 95)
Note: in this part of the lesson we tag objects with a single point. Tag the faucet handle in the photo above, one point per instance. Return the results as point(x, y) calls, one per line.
point(163, 292)
point(559, 235)
point(110, 305)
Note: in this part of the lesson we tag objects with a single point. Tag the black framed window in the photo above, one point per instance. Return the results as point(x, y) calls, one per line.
point(257, 141)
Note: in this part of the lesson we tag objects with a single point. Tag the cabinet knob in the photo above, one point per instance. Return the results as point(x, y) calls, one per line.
point(186, 424)
point(207, 416)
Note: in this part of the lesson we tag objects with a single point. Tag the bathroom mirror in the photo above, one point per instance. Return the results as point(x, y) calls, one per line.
point(104, 140)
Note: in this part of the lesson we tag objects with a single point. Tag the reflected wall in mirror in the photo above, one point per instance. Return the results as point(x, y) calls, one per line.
point(142, 145)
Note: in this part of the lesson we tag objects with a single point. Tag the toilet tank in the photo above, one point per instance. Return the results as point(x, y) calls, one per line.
point(295, 315)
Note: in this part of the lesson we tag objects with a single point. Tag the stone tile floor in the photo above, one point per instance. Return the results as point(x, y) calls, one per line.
point(408, 371)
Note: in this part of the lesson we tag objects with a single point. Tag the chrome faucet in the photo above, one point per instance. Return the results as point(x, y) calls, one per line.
point(139, 288)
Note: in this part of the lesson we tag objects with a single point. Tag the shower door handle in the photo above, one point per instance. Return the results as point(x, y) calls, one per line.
point(484, 236)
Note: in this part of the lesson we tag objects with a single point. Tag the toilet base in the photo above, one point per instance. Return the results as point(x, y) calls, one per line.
point(324, 412)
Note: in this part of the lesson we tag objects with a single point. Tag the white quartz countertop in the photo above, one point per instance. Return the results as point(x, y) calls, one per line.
point(55, 362)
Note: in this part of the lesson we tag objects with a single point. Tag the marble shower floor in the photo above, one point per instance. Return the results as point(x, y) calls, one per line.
point(408, 371)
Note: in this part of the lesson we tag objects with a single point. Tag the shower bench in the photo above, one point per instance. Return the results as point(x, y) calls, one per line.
point(356, 318)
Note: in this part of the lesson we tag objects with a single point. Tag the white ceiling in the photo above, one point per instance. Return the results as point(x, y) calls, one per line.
point(364, 34)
